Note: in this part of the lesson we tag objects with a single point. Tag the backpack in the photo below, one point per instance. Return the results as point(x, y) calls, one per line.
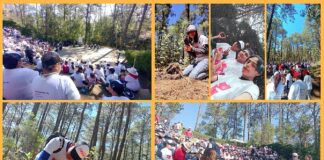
point(54, 135)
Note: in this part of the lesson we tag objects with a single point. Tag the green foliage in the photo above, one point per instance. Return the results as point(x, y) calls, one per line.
point(170, 37)
point(235, 22)
point(27, 31)
point(142, 60)
point(298, 46)
point(168, 110)
point(10, 23)
point(284, 150)
point(67, 23)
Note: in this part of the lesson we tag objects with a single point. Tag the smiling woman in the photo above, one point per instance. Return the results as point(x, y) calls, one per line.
point(231, 87)
point(237, 56)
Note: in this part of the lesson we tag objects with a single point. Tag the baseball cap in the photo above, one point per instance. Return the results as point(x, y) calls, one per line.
point(50, 59)
point(80, 152)
point(11, 59)
point(117, 86)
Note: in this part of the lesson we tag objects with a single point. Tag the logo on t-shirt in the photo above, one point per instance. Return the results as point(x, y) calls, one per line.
point(220, 86)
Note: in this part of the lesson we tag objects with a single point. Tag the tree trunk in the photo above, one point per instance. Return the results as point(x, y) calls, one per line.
point(118, 132)
point(127, 24)
point(81, 122)
point(270, 20)
point(197, 117)
point(107, 125)
point(141, 23)
point(96, 128)
point(122, 144)
point(71, 118)
point(59, 117)
point(35, 110)
point(40, 127)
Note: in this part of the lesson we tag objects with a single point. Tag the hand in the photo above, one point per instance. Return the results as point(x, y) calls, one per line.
point(188, 48)
point(225, 53)
point(54, 145)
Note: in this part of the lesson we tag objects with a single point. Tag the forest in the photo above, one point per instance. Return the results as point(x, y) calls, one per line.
point(119, 26)
point(239, 22)
point(285, 127)
point(171, 23)
point(112, 130)
point(297, 47)
point(169, 36)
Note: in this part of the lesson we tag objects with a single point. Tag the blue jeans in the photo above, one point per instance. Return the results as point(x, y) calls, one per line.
point(198, 71)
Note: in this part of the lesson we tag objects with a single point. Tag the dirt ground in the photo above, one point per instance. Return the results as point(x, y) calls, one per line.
point(171, 85)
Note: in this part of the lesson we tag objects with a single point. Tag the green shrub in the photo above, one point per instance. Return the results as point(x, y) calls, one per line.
point(10, 23)
point(142, 62)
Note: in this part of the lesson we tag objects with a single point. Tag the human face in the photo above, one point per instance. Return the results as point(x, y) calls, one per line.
point(249, 70)
point(235, 47)
point(192, 34)
point(242, 56)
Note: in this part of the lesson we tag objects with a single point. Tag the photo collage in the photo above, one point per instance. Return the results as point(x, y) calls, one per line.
point(161, 81)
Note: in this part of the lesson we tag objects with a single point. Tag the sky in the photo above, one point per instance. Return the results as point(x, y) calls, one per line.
point(189, 113)
point(298, 24)
point(177, 9)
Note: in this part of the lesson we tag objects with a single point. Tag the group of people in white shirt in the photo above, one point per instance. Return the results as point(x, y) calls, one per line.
point(25, 83)
point(234, 69)
point(49, 80)
point(292, 82)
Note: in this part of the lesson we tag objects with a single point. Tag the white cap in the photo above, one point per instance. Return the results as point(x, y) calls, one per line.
point(242, 44)
point(82, 150)
point(295, 155)
point(132, 70)
point(191, 28)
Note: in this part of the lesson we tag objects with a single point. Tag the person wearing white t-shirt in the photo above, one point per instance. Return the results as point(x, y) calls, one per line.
point(243, 88)
point(39, 66)
point(79, 78)
point(308, 82)
point(112, 76)
point(71, 67)
point(166, 151)
point(132, 81)
point(16, 80)
point(289, 81)
point(99, 72)
point(51, 85)
point(116, 89)
point(298, 90)
point(229, 51)
point(275, 87)
point(117, 68)
point(234, 66)
point(60, 148)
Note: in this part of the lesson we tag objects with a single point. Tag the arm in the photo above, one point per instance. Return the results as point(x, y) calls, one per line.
point(244, 96)
point(52, 146)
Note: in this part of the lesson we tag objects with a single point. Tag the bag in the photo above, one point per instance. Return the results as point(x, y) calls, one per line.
point(54, 135)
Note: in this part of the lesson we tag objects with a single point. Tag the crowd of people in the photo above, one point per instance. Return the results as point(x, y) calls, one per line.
point(235, 71)
point(289, 80)
point(33, 70)
point(174, 142)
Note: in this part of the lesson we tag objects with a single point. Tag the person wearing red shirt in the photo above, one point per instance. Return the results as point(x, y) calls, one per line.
point(180, 153)
point(188, 133)
point(65, 67)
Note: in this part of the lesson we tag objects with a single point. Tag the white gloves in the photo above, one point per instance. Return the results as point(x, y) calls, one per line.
point(54, 145)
